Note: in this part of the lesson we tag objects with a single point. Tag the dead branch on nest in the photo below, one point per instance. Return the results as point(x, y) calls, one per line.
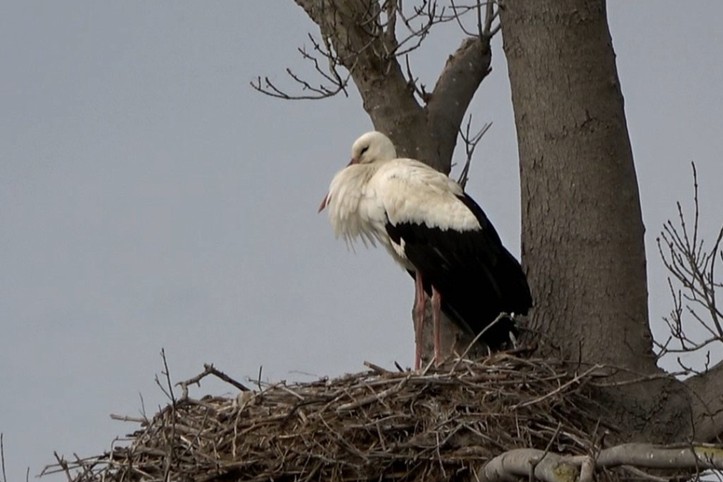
point(209, 369)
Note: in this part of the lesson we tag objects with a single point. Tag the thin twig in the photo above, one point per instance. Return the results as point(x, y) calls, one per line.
point(692, 284)
point(2, 458)
point(209, 369)
point(476, 339)
point(470, 145)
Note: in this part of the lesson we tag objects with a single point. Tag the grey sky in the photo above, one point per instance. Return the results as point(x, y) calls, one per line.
point(149, 198)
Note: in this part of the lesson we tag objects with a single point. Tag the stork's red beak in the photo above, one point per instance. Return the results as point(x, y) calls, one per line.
point(323, 204)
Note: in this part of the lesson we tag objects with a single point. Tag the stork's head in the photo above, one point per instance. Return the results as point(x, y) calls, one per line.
point(371, 147)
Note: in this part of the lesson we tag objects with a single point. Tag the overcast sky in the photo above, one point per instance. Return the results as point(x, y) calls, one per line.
point(149, 199)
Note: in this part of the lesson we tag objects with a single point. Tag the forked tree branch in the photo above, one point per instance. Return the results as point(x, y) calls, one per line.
point(551, 467)
point(362, 38)
point(362, 46)
point(332, 81)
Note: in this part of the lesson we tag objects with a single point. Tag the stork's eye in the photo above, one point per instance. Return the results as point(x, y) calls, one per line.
point(364, 149)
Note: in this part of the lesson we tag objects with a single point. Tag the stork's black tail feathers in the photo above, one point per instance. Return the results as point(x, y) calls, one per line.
point(485, 304)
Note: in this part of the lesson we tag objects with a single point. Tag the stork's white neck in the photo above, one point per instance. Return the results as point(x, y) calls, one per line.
point(350, 204)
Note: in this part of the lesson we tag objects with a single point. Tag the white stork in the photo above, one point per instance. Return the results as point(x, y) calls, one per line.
point(437, 233)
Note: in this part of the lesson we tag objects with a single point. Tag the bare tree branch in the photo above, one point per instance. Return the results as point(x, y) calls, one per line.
point(427, 13)
point(457, 84)
point(692, 283)
point(362, 38)
point(333, 81)
point(470, 145)
point(364, 49)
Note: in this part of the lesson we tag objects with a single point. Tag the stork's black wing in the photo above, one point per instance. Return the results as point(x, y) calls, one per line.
point(476, 276)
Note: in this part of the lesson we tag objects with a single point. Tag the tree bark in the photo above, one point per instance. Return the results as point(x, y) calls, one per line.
point(582, 229)
point(707, 404)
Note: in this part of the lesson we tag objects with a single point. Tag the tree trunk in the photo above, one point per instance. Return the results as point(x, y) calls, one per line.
point(582, 229)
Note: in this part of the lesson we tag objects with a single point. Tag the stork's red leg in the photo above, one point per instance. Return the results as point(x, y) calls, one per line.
point(437, 325)
point(420, 299)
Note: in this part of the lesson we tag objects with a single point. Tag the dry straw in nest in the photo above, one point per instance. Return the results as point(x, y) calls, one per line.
point(437, 424)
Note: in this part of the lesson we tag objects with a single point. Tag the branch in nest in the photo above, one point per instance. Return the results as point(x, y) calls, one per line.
point(209, 369)
point(168, 388)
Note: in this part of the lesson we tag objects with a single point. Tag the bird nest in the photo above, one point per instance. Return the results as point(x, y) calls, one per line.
point(434, 424)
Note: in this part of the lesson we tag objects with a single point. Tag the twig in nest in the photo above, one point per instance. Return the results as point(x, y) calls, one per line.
point(64, 467)
point(126, 418)
point(374, 397)
point(379, 370)
point(209, 369)
point(562, 387)
point(475, 340)
point(168, 388)
point(535, 462)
